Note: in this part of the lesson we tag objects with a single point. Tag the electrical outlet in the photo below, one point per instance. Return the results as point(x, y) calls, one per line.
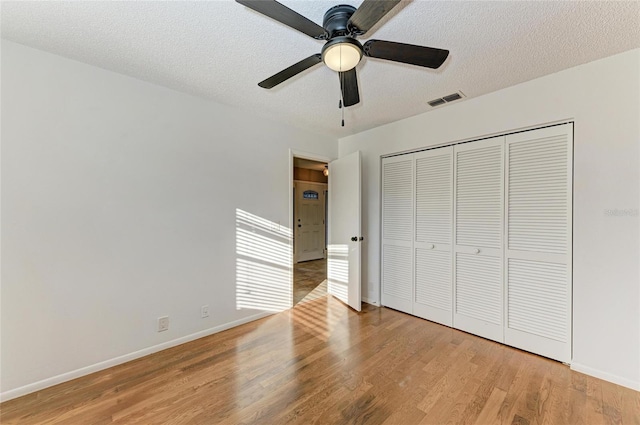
point(204, 311)
point(163, 323)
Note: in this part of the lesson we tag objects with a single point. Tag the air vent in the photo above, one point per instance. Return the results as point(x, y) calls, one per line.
point(452, 97)
point(446, 99)
point(437, 102)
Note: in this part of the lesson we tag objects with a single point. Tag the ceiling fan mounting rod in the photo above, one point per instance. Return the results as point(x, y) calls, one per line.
point(336, 20)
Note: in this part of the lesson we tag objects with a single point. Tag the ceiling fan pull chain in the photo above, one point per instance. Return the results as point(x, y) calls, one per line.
point(340, 101)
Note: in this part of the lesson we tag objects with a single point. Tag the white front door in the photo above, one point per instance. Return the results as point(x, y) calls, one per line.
point(345, 237)
point(309, 221)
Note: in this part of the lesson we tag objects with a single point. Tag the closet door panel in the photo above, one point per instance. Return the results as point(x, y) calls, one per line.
point(397, 232)
point(538, 254)
point(478, 238)
point(433, 297)
point(397, 277)
point(433, 278)
point(434, 196)
point(479, 303)
point(479, 183)
point(538, 298)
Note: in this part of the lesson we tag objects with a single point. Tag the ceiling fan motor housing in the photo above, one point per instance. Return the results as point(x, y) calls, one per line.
point(336, 23)
point(336, 19)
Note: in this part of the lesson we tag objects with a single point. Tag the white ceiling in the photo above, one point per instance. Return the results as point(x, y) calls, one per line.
point(220, 50)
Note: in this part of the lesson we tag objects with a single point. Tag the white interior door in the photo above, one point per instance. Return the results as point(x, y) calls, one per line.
point(345, 237)
point(309, 221)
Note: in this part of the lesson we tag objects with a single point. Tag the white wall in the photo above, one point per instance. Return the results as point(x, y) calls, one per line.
point(119, 206)
point(603, 98)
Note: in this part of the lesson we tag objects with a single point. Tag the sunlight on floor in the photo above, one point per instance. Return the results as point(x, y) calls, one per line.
point(318, 292)
point(320, 316)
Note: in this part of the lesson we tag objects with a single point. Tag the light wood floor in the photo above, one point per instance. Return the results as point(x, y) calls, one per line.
point(323, 363)
point(309, 280)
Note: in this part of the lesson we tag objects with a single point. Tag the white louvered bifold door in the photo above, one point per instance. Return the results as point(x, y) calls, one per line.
point(433, 297)
point(538, 254)
point(478, 238)
point(397, 232)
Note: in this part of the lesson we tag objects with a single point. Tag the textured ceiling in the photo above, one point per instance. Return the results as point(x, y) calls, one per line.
point(220, 50)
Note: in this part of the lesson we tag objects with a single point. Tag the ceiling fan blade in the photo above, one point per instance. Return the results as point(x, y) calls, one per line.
point(349, 87)
point(293, 70)
point(428, 57)
point(369, 13)
point(282, 13)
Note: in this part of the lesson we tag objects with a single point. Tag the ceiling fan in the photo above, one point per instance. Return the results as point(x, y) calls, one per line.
point(341, 26)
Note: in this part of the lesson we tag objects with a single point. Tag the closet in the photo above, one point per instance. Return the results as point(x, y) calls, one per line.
point(477, 236)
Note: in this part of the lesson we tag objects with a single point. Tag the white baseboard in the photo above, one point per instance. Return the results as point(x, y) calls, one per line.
point(634, 385)
point(68, 376)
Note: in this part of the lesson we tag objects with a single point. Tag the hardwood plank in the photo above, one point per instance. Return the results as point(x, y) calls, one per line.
point(323, 363)
point(611, 404)
point(491, 407)
point(630, 407)
point(481, 397)
point(593, 412)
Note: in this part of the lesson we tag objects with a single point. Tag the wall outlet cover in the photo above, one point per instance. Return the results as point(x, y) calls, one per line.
point(163, 323)
point(204, 311)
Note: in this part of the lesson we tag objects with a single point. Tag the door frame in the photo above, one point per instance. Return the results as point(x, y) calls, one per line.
point(293, 153)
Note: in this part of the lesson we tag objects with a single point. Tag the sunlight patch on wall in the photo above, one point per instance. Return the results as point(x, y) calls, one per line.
point(338, 271)
point(263, 263)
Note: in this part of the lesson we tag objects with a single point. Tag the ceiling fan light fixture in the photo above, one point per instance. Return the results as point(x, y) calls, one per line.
point(342, 54)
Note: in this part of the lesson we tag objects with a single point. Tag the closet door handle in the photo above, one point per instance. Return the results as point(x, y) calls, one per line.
point(431, 246)
point(476, 251)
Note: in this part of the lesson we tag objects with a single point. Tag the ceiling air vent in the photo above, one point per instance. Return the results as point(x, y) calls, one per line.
point(452, 97)
point(446, 99)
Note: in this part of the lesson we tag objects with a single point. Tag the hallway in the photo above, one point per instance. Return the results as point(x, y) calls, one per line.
point(309, 281)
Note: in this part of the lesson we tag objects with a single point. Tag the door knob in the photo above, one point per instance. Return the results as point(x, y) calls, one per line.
point(354, 239)
point(476, 251)
point(431, 246)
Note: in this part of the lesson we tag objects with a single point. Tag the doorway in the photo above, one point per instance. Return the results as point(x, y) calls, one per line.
point(310, 189)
